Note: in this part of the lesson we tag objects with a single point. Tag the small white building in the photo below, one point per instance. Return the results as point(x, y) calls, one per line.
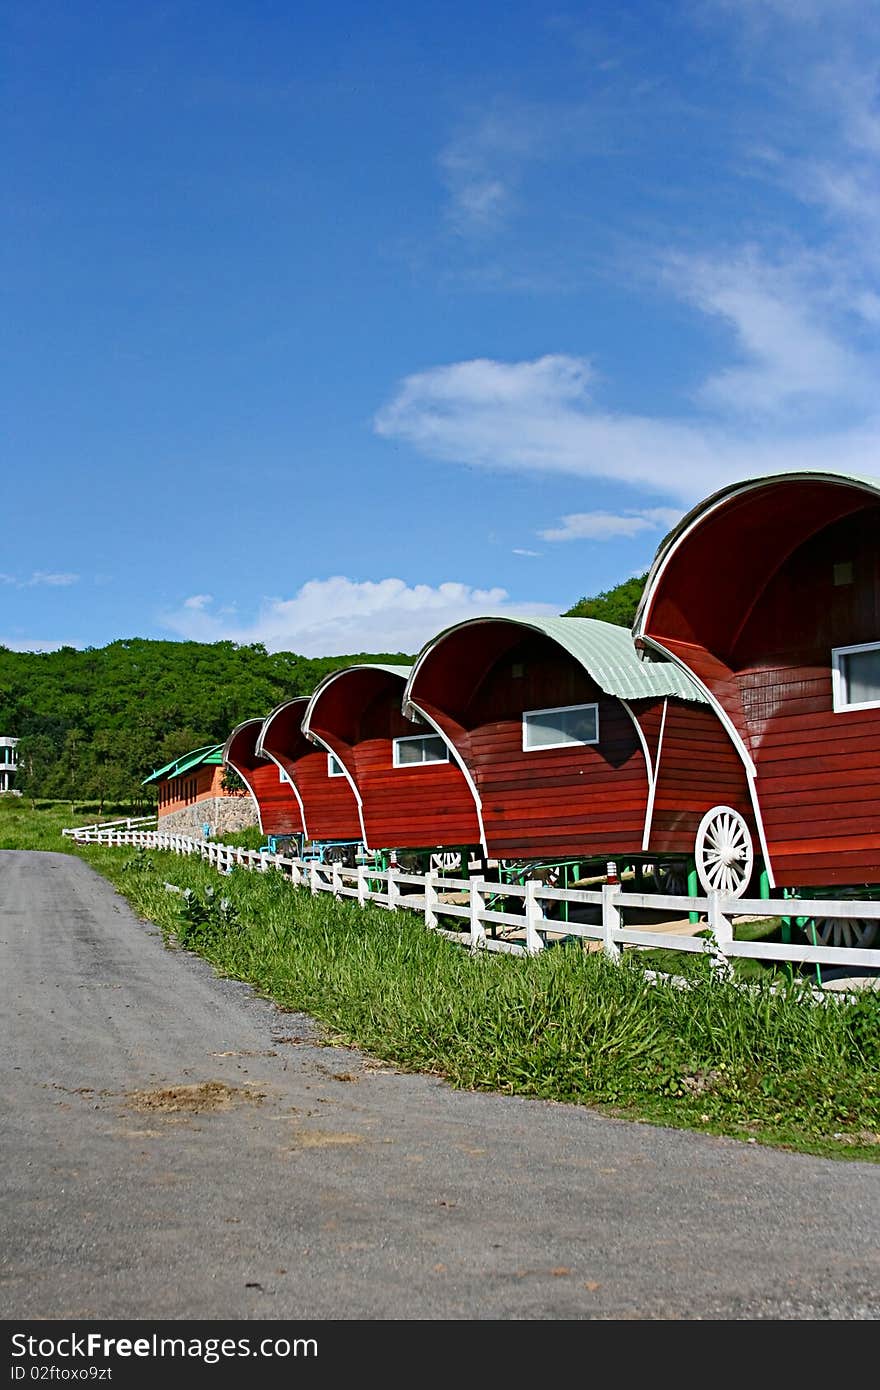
point(8, 762)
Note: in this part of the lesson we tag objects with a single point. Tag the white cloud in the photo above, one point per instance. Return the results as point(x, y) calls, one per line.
point(532, 554)
point(539, 417)
point(40, 577)
point(781, 315)
point(198, 601)
point(485, 164)
point(606, 526)
point(52, 579)
point(339, 615)
point(480, 167)
point(27, 644)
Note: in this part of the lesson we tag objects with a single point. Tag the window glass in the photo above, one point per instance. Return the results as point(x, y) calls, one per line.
point(334, 766)
point(421, 748)
point(860, 676)
point(554, 728)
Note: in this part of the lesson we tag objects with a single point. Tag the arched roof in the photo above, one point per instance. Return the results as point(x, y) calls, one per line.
point(711, 567)
point(605, 651)
point(240, 749)
point(402, 672)
point(286, 707)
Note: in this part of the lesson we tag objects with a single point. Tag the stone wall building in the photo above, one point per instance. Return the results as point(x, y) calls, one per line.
point(191, 796)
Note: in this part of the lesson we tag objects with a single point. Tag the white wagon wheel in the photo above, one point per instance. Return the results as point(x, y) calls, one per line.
point(445, 860)
point(845, 931)
point(723, 852)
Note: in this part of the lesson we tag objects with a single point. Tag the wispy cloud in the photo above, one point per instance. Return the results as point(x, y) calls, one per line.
point(340, 615)
point(530, 554)
point(607, 526)
point(481, 167)
point(782, 315)
point(40, 577)
point(790, 302)
point(35, 644)
point(484, 165)
point(539, 416)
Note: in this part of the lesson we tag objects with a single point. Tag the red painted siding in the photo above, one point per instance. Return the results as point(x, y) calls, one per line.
point(547, 803)
point(278, 808)
point(329, 805)
point(414, 807)
point(764, 649)
point(699, 768)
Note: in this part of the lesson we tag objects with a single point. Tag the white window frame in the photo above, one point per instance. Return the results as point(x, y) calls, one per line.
point(567, 743)
point(838, 684)
point(418, 738)
point(331, 759)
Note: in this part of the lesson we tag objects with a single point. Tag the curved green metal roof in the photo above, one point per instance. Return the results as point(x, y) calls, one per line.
point(709, 503)
point(210, 753)
point(606, 653)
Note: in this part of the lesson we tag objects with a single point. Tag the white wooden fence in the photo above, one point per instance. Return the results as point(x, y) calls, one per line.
point(528, 929)
point(129, 822)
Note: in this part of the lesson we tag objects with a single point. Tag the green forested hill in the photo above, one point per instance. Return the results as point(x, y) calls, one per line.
point(617, 605)
point(93, 723)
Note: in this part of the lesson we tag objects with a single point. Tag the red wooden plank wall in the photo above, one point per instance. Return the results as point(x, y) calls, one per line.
point(556, 802)
point(328, 802)
point(330, 806)
point(279, 808)
point(699, 768)
point(412, 807)
point(818, 770)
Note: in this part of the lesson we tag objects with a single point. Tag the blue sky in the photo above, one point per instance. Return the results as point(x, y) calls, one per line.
point(326, 326)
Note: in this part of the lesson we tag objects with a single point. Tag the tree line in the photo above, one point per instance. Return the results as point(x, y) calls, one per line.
point(94, 723)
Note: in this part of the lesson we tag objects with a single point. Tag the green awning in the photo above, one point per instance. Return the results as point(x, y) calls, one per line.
point(210, 754)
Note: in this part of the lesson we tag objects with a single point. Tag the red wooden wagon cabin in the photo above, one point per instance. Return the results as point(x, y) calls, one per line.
point(768, 595)
point(277, 806)
point(410, 793)
point(327, 804)
point(574, 748)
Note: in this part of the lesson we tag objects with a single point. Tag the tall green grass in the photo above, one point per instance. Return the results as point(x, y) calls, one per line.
point(765, 1062)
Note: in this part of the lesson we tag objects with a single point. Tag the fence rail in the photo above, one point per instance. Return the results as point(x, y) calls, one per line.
point(472, 900)
point(128, 821)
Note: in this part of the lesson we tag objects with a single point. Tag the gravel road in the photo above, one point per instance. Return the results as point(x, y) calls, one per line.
point(174, 1147)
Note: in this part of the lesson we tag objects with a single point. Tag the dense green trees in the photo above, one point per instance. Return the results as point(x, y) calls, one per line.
point(94, 723)
point(617, 605)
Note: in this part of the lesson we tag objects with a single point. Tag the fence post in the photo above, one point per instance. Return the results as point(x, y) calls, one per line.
point(610, 919)
point(336, 878)
point(393, 891)
point(296, 876)
point(721, 933)
point(362, 884)
point(534, 915)
point(476, 888)
point(431, 898)
point(313, 877)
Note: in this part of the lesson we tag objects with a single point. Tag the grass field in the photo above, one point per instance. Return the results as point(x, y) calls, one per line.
point(762, 1062)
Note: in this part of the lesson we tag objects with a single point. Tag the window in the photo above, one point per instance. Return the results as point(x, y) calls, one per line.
point(560, 727)
point(420, 748)
point(855, 676)
point(334, 767)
